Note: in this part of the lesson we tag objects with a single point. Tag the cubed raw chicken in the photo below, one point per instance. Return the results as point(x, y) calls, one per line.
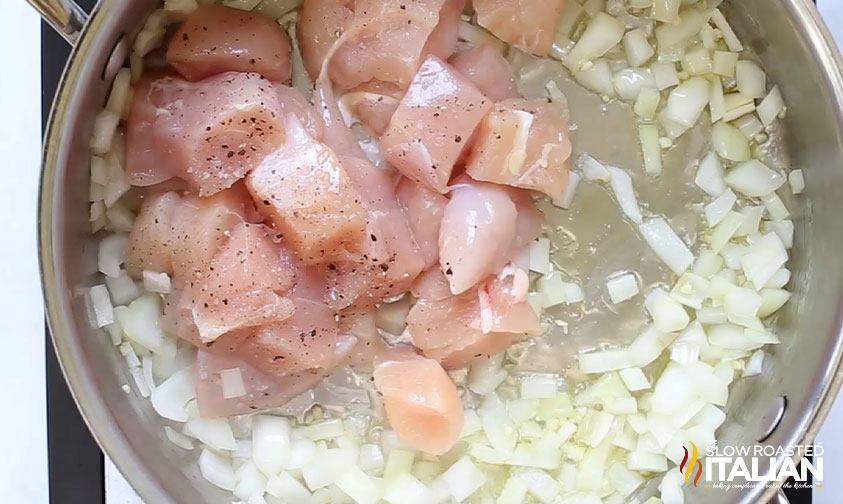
point(215, 39)
point(476, 234)
point(529, 25)
point(431, 285)
point(486, 67)
point(292, 101)
point(304, 341)
point(201, 225)
point(434, 121)
point(523, 143)
point(372, 109)
point(528, 225)
point(360, 324)
point(388, 39)
point(320, 24)
point(304, 190)
point(149, 241)
point(246, 285)
point(210, 133)
point(262, 390)
point(424, 209)
point(457, 330)
point(421, 402)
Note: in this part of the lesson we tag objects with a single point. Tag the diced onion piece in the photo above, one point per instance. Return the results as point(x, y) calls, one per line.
point(603, 33)
point(131, 356)
point(398, 461)
point(112, 253)
point(634, 379)
point(140, 382)
point(697, 61)
point(775, 206)
point(724, 63)
point(463, 479)
point(637, 47)
point(630, 81)
point(755, 364)
point(672, 128)
point(771, 106)
point(674, 36)
point(687, 101)
point(543, 486)
point(784, 229)
point(326, 467)
point(103, 310)
point(120, 90)
point(217, 469)
point(752, 219)
point(540, 255)
point(671, 487)
point(593, 169)
point(666, 244)
point(122, 288)
point(359, 486)
point(249, 482)
point(604, 361)
point(668, 315)
point(621, 184)
point(148, 40)
point(567, 197)
point(286, 488)
point(141, 322)
point(573, 293)
point(732, 40)
point(750, 126)
point(717, 100)
point(105, 126)
point(771, 301)
point(710, 175)
point(486, 374)
point(622, 287)
point(647, 347)
point(690, 290)
point(737, 105)
point(121, 218)
point(666, 11)
point(598, 78)
point(754, 179)
point(649, 462)
point(664, 72)
point(725, 230)
point(514, 491)
point(329, 429)
point(214, 432)
point(741, 303)
point(763, 259)
point(570, 19)
point(729, 142)
point(647, 103)
point(371, 457)
point(302, 452)
point(539, 387)
point(404, 489)
point(170, 398)
point(751, 79)
point(797, 181)
point(156, 282)
point(707, 264)
point(177, 438)
point(623, 480)
point(271, 443)
point(498, 426)
point(720, 207)
point(648, 135)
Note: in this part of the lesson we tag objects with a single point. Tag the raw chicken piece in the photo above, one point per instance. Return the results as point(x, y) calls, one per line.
point(424, 210)
point(529, 25)
point(320, 24)
point(433, 123)
point(360, 323)
point(432, 285)
point(201, 225)
point(292, 101)
point(422, 403)
point(216, 39)
point(304, 341)
point(524, 144)
point(372, 109)
point(211, 133)
point(388, 40)
point(528, 225)
point(149, 241)
point(486, 67)
point(245, 287)
point(478, 229)
point(459, 329)
point(262, 391)
point(306, 193)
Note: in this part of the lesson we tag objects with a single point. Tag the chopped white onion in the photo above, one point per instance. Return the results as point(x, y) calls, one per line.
point(567, 197)
point(498, 426)
point(404, 489)
point(710, 175)
point(540, 255)
point(629, 82)
point(751, 79)
point(604, 361)
point(784, 229)
point(141, 321)
point(217, 469)
point(634, 379)
point(775, 206)
point(539, 387)
point(170, 398)
point(214, 432)
point(664, 72)
point(603, 33)
point(797, 181)
point(486, 374)
point(666, 244)
point(598, 78)
point(326, 467)
point(122, 288)
point(720, 207)
point(177, 438)
point(690, 290)
point(112, 253)
point(771, 301)
point(514, 491)
point(763, 259)
point(543, 486)
point(687, 101)
point(328, 429)
point(752, 220)
point(249, 481)
point(622, 287)
point(463, 479)
point(359, 486)
point(668, 315)
point(750, 126)
point(647, 103)
point(593, 169)
point(648, 135)
point(724, 63)
point(286, 488)
point(725, 230)
point(754, 179)
point(647, 347)
point(697, 61)
point(732, 41)
point(156, 282)
point(729, 142)
point(637, 47)
point(105, 126)
point(644, 461)
point(621, 184)
point(103, 310)
point(666, 11)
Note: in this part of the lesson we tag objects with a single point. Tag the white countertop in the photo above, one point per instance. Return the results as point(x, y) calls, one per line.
point(23, 467)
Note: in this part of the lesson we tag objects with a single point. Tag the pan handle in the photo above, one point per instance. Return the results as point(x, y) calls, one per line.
point(64, 16)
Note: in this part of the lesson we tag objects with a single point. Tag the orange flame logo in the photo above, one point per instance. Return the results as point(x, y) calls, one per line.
point(690, 464)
